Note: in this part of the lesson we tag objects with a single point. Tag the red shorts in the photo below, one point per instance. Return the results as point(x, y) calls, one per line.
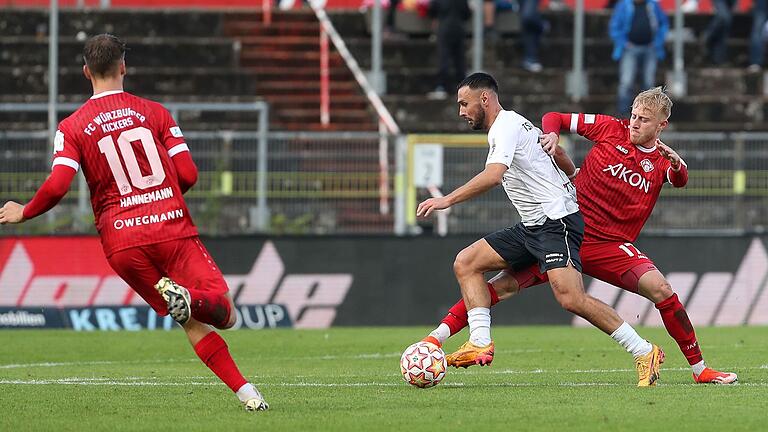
point(620, 264)
point(185, 260)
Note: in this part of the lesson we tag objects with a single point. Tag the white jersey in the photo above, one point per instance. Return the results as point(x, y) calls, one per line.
point(533, 182)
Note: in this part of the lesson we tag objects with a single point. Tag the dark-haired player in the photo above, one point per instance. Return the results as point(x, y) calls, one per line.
point(549, 234)
point(618, 185)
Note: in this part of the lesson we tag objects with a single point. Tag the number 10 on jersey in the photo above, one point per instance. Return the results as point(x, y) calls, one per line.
point(108, 148)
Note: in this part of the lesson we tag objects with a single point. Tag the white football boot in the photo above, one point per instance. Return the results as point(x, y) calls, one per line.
point(178, 299)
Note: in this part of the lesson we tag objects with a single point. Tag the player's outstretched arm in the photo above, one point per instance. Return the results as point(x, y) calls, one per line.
point(564, 162)
point(491, 176)
point(50, 193)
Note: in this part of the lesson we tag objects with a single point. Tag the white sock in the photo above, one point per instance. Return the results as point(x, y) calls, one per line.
point(441, 333)
point(699, 367)
point(627, 337)
point(246, 392)
point(479, 326)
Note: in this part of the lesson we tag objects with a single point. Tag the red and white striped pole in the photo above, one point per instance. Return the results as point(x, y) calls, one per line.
point(325, 91)
point(266, 12)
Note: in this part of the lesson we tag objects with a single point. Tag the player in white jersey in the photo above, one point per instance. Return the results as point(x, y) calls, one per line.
point(550, 231)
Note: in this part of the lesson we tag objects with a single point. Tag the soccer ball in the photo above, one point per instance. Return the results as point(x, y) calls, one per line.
point(423, 365)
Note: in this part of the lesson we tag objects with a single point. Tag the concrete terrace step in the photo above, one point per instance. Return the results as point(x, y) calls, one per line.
point(318, 127)
point(307, 87)
point(303, 73)
point(285, 41)
point(144, 51)
point(253, 28)
point(707, 112)
point(173, 81)
point(551, 81)
point(555, 53)
point(310, 101)
point(278, 16)
point(288, 59)
point(125, 22)
point(313, 114)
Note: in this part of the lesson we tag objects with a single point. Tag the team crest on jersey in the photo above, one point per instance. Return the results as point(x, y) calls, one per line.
point(647, 165)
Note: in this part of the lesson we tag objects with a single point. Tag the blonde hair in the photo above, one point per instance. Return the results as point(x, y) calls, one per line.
point(655, 99)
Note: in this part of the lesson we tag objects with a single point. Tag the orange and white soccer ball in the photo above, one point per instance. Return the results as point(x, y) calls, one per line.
point(423, 364)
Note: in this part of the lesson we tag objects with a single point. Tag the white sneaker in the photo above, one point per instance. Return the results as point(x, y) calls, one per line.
point(177, 297)
point(256, 404)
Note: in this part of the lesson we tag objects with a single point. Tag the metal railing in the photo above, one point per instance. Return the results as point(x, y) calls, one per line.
point(313, 183)
point(727, 192)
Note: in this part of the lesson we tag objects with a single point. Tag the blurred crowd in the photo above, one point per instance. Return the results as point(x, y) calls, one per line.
point(638, 30)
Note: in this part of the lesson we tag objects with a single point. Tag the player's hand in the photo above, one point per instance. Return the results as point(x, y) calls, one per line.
point(11, 213)
point(549, 142)
point(428, 206)
point(669, 154)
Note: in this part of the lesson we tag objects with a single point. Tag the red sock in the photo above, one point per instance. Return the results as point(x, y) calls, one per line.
point(680, 328)
point(213, 351)
point(457, 314)
point(210, 308)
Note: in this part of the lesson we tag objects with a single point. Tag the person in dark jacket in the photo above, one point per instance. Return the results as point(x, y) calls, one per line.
point(451, 15)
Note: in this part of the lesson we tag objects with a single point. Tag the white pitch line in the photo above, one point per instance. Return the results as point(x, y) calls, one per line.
point(89, 382)
point(93, 363)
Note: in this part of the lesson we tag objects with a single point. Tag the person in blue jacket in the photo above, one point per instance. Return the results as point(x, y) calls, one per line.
point(638, 29)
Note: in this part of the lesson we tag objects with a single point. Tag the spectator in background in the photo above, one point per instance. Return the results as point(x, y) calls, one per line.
point(389, 28)
point(451, 16)
point(757, 38)
point(637, 28)
point(532, 29)
point(489, 21)
point(716, 34)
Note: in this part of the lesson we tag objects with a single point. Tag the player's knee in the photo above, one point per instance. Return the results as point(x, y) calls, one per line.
point(660, 291)
point(571, 301)
point(462, 265)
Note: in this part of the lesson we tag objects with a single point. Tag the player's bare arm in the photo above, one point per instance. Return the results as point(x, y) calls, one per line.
point(549, 142)
point(491, 176)
point(12, 213)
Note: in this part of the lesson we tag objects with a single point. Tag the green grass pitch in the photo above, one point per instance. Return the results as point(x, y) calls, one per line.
point(347, 379)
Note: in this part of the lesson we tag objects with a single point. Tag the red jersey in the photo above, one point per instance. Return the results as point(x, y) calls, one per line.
point(619, 183)
point(124, 145)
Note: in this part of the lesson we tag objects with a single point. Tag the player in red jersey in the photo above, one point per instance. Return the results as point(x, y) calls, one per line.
point(137, 166)
point(617, 186)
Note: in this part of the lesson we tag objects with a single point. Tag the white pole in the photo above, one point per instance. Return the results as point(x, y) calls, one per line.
point(53, 69)
point(53, 81)
point(477, 37)
point(679, 85)
point(576, 80)
point(376, 68)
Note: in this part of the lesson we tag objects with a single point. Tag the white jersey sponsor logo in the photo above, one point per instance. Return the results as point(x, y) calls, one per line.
point(628, 176)
point(148, 219)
